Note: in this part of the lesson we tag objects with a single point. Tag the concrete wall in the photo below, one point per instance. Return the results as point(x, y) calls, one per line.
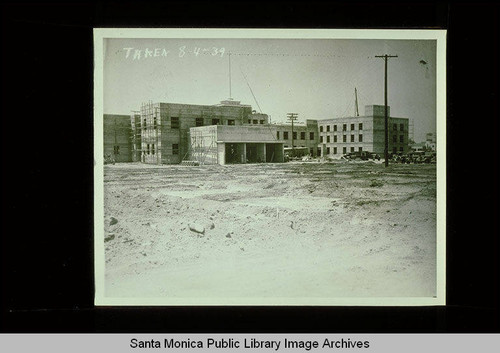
point(117, 137)
point(303, 130)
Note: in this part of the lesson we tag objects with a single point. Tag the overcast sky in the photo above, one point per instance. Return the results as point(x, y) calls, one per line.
point(312, 77)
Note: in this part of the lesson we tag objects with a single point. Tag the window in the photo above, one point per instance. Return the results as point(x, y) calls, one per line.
point(311, 151)
point(400, 149)
point(175, 149)
point(327, 128)
point(152, 149)
point(401, 127)
point(249, 121)
point(303, 135)
point(215, 121)
point(199, 121)
point(319, 151)
point(360, 149)
point(394, 139)
point(116, 149)
point(277, 135)
point(352, 149)
point(344, 150)
point(402, 138)
point(352, 127)
point(344, 127)
point(321, 139)
point(334, 127)
point(230, 122)
point(295, 135)
point(334, 150)
point(311, 136)
point(394, 150)
point(328, 139)
point(395, 127)
point(174, 122)
point(154, 123)
point(321, 128)
point(261, 122)
point(255, 121)
point(360, 126)
point(344, 138)
point(335, 138)
point(352, 138)
point(360, 137)
point(285, 135)
point(144, 124)
point(148, 151)
point(328, 150)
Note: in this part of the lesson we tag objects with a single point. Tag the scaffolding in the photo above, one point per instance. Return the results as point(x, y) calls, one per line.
point(203, 146)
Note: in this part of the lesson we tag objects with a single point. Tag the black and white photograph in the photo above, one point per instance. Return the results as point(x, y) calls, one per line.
point(269, 167)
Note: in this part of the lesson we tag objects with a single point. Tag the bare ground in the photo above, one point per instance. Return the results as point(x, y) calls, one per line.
point(271, 230)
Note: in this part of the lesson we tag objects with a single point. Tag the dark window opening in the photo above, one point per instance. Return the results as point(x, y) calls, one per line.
point(344, 138)
point(360, 149)
point(360, 137)
point(352, 149)
point(402, 139)
point(295, 135)
point(152, 149)
point(352, 126)
point(249, 121)
point(327, 128)
point(334, 150)
point(352, 138)
point(321, 128)
point(277, 135)
point(254, 122)
point(344, 127)
point(148, 151)
point(335, 138)
point(116, 149)
point(328, 139)
point(215, 121)
point(334, 127)
point(261, 122)
point(230, 122)
point(360, 126)
point(303, 135)
point(199, 121)
point(402, 127)
point(311, 136)
point(285, 135)
point(328, 150)
point(175, 149)
point(174, 122)
point(154, 123)
point(344, 150)
point(321, 139)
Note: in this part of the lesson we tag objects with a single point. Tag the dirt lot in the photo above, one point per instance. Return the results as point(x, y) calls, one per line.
point(270, 230)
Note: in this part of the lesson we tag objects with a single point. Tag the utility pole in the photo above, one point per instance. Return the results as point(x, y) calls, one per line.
point(386, 147)
point(292, 117)
point(230, 93)
point(356, 111)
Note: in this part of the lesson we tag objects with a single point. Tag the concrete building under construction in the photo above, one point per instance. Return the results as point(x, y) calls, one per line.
point(117, 137)
point(160, 131)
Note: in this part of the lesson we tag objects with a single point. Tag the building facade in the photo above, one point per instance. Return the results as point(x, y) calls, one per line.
point(117, 137)
point(362, 133)
point(302, 136)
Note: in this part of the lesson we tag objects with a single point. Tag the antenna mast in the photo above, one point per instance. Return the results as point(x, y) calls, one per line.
point(356, 112)
point(230, 94)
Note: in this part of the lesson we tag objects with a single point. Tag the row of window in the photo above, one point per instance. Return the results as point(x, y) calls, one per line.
point(360, 127)
point(286, 135)
point(344, 138)
point(352, 149)
point(344, 127)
